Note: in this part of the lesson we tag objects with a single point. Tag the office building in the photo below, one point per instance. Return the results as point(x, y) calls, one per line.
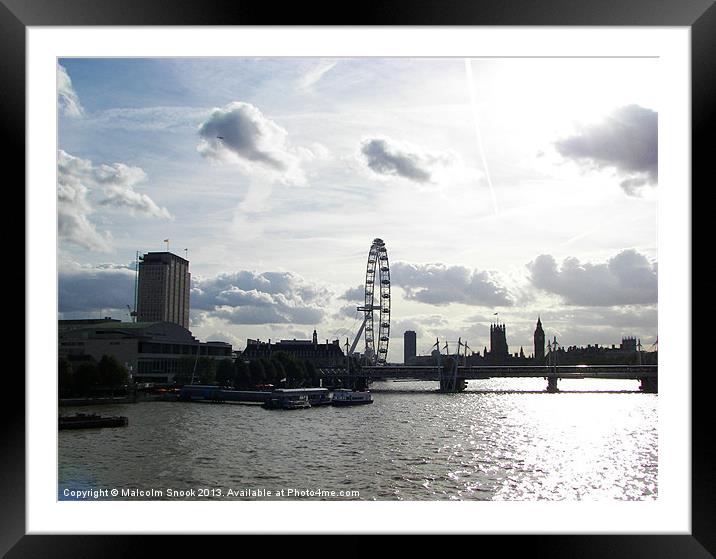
point(163, 289)
point(409, 347)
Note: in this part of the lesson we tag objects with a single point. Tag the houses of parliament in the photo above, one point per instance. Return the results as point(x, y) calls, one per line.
point(544, 352)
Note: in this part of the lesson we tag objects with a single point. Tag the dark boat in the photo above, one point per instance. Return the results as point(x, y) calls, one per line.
point(90, 421)
point(287, 401)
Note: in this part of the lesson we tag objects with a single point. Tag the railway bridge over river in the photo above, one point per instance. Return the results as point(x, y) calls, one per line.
point(455, 379)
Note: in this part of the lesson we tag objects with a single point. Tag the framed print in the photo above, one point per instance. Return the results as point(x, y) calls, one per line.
point(512, 175)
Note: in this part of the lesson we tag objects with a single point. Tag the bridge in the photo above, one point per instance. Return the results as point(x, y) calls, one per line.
point(454, 380)
point(451, 376)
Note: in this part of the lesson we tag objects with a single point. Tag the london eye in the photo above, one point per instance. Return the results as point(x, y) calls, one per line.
point(376, 307)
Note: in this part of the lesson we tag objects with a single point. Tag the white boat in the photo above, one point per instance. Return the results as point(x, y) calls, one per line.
point(345, 397)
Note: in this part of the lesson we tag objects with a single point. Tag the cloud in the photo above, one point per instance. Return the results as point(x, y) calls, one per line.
point(438, 284)
point(602, 325)
point(149, 118)
point(347, 311)
point(67, 99)
point(89, 290)
point(239, 298)
point(314, 75)
point(247, 297)
point(393, 159)
point(77, 179)
point(73, 206)
point(240, 133)
point(627, 141)
point(354, 294)
point(624, 318)
point(118, 182)
point(628, 278)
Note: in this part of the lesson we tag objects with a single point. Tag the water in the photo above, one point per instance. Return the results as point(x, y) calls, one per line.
point(500, 440)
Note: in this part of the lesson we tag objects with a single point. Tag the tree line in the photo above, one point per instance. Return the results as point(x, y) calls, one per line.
point(282, 370)
point(91, 377)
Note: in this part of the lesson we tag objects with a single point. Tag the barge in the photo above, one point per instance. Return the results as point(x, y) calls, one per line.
point(90, 421)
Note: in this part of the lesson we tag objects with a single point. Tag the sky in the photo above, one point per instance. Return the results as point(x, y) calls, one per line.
point(505, 189)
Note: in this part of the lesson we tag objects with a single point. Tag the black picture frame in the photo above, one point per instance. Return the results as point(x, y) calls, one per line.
point(698, 15)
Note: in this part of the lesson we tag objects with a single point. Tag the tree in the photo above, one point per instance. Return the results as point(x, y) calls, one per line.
point(206, 370)
point(295, 373)
point(280, 372)
point(256, 373)
point(64, 377)
point(185, 369)
point(111, 373)
point(85, 378)
point(225, 372)
point(312, 374)
point(294, 370)
point(241, 374)
point(269, 370)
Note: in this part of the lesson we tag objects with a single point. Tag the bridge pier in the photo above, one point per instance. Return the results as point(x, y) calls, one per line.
point(552, 385)
point(649, 385)
point(446, 384)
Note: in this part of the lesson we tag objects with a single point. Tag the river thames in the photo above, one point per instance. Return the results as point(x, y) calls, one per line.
point(500, 440)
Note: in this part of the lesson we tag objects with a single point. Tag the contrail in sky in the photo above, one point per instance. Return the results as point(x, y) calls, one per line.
point(473, 102)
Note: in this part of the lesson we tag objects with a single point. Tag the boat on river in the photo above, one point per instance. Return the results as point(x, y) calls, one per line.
point(346, 397)
point(287, 400)
point(90, 421)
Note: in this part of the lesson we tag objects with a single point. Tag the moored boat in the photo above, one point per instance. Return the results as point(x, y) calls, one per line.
point(282, 401)
point(345, 397)
point(90, 421)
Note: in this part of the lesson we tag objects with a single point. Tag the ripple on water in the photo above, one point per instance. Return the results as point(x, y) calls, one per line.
point(407, 446)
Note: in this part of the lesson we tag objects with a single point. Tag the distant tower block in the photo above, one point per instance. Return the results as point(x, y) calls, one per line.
point(539, 343)
point(163, 290)
point(409, 347)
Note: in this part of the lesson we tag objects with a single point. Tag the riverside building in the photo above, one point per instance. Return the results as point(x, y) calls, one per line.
point(321, 355)
point(151, 351)
point(163, 288)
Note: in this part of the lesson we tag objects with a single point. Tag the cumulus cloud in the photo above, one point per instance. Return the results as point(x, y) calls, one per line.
point(67, 99)
point(240, 133)
point(247, 297)
point(394, 159)
point(90, 290)
point(438, 284)
point(354, 293)
point(73, 206)
point(627, 141)
point(77, 179)
point(628, 278)
point(118, 181)
point(347, 311)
